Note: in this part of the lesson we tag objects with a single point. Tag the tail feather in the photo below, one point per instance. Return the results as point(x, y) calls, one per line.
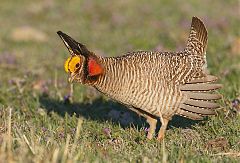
point(205, 79)
point(188, 114)
point(203, 96)
point(200, 87)
point(199, 97)
point(198, 110)
point(197, 40)
point(204, 104)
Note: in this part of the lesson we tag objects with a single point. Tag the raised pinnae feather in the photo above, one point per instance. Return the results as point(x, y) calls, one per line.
point(74, 47)
point(70, 43)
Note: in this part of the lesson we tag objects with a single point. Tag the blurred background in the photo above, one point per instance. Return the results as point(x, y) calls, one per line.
point(28, 30)
point(32, 55)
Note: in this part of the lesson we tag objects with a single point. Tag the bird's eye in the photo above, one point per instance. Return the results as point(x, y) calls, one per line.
point(77, 65)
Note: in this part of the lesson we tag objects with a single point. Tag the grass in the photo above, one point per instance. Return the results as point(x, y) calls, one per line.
point(39, 124)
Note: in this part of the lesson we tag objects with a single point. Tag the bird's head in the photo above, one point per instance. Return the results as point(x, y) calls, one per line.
point(83, 65)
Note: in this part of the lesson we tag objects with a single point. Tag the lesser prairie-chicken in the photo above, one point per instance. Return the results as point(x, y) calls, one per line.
point(153, 84)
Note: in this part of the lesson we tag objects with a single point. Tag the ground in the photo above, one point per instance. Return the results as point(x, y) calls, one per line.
point(40, 123)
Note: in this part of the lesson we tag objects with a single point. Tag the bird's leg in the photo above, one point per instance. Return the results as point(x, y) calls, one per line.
point(163, 128)
point(152, 123)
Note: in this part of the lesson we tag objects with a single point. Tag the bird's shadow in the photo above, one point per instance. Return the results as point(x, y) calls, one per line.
point(102, 110)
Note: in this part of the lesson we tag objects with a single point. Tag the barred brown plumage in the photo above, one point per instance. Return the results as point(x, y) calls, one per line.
point(153, 84)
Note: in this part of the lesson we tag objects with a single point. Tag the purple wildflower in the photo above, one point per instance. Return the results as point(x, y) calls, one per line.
point(66, 98)
point(44, 129)
point(235, 103)
point(61, 135)
point(146, 129)
point(107, 131)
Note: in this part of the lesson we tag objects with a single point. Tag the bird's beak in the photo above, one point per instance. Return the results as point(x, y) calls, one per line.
point(72, 77)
